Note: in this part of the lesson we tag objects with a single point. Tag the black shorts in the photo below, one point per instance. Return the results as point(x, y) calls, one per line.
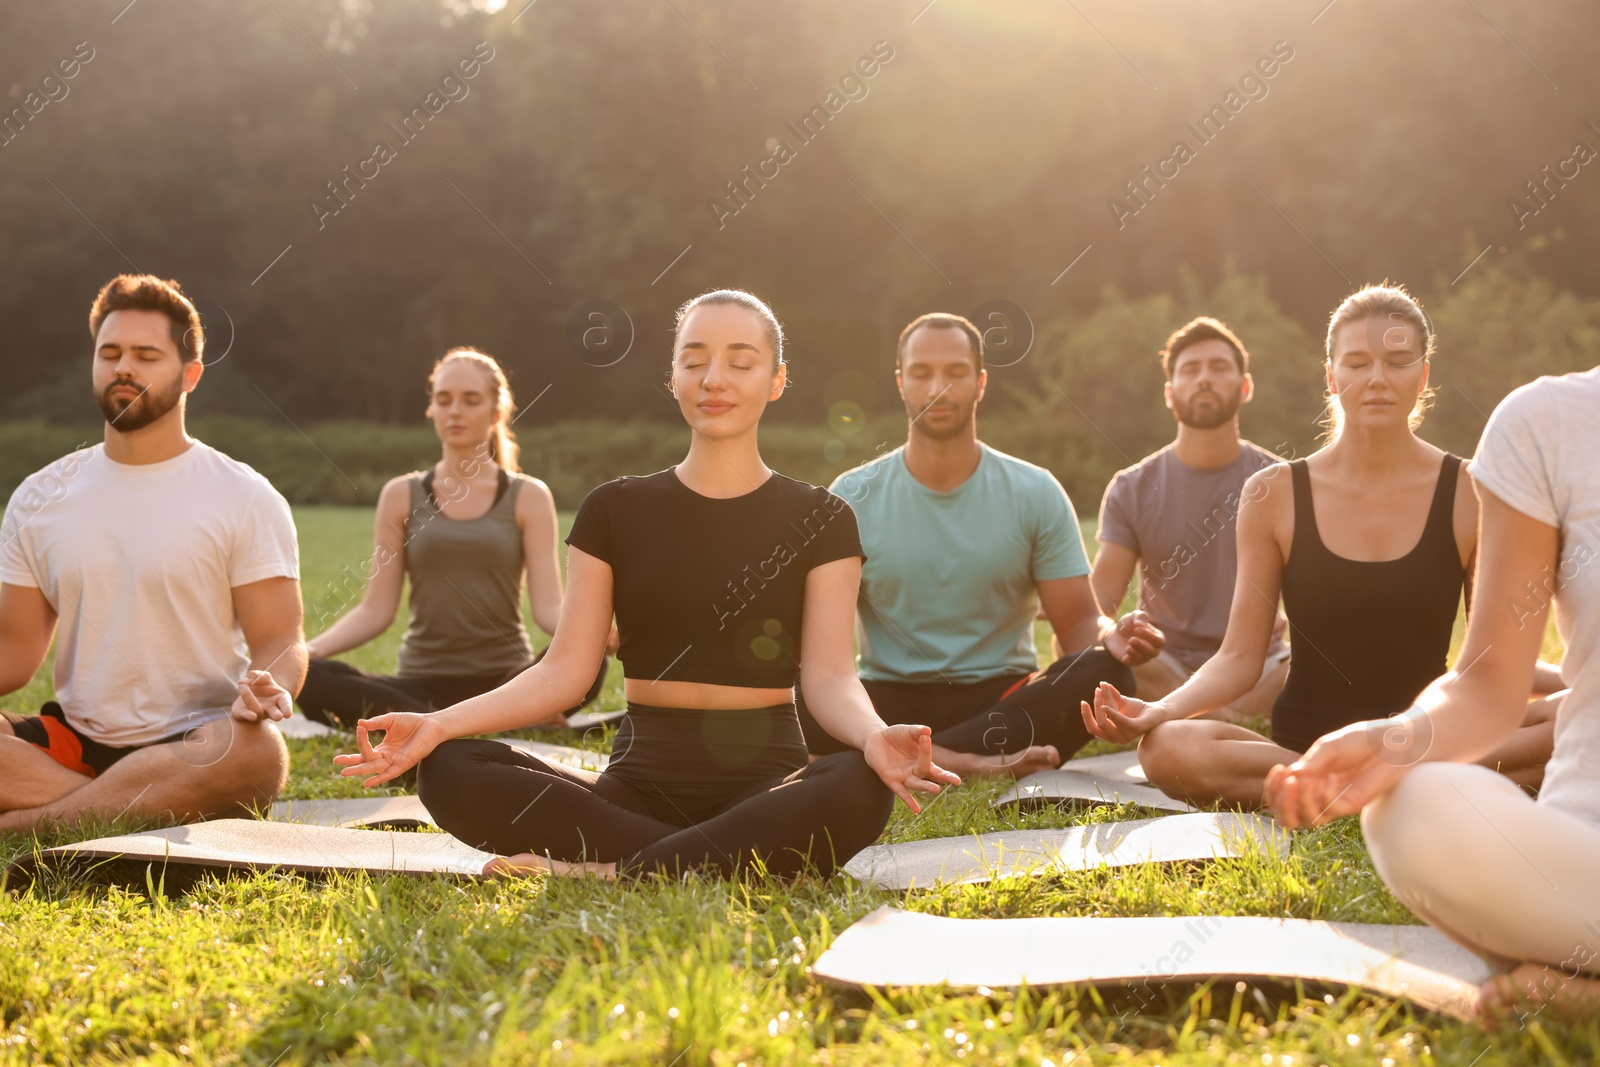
point(50, 731)
point(996, 715)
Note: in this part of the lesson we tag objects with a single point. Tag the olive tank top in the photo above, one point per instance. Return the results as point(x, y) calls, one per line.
point(1366, 637)
point(466, 587)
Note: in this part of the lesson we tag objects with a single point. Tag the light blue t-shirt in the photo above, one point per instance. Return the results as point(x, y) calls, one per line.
point(947, 591)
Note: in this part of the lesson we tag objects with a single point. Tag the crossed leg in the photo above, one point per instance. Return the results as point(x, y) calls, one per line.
point(541, 815)
point(224, 767)
point(1504, 875)
point(1523, 756)
point(1206, 762)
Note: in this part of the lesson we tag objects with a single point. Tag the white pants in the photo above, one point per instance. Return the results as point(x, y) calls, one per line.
point(1477, 858)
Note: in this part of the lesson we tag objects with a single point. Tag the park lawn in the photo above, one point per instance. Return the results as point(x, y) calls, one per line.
point(279, 970)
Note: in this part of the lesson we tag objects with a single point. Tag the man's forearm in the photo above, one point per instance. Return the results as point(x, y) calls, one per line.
point(1086, 632)
point(285, 661)
point(1110, 596)
point(11, 676)
point(27, 626)
point(16, 670)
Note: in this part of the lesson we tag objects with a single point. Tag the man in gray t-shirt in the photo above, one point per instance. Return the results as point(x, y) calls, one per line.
point(1173, 515)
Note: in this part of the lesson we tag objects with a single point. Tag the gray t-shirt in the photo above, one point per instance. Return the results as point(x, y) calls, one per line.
point(1538, 454)
point(1180, 521)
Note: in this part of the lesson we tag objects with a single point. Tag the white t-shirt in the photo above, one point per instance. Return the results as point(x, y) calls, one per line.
point(1540, 453)
point(139, 562)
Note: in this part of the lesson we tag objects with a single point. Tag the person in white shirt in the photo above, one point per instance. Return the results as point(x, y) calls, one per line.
point(169, 574)
point(1512, 878)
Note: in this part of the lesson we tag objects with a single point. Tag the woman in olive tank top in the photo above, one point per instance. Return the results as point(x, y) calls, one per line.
point(1370, 543)
point(464, 532)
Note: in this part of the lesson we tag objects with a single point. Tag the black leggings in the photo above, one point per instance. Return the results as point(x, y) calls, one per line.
point(337, 694)
point(1005, 714)
point(685, 790)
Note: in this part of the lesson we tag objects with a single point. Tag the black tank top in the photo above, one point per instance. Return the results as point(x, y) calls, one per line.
point(1367, 637)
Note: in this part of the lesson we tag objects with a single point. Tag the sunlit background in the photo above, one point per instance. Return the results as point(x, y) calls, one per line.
point(344, 202)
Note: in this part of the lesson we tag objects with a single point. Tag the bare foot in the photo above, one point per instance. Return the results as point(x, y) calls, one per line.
point(527, 863)
point(1536, 990)
point(1016, 764)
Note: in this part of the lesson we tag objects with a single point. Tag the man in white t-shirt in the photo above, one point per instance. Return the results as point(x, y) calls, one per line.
point(170, 576)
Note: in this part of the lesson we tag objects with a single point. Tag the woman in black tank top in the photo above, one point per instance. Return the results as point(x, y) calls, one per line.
point(730, 583)
point(1370, 625)
point(1387, 622)
point(466, 634)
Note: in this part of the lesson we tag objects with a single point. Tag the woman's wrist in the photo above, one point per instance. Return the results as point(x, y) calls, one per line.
point(870, 730)
point(1402, 739)
point(438, 728)
point(1164, 712)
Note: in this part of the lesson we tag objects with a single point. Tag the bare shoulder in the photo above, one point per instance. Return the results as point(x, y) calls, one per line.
point(400, 483)
point(536, 505)
point(395, 497)
point(1266, 513)
point(1268, 488)
point(534, 493)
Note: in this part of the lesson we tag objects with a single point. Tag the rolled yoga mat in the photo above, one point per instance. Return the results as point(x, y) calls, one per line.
point(980, 858)
point(181, 854)
point(1075, 783)
point(401, 813)
point(892, 948)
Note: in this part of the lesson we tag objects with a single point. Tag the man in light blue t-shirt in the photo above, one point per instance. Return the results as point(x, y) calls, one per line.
point(963, 545)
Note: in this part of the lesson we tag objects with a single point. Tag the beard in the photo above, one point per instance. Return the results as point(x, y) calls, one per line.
point(955, 429)
point(142, 410)
point(1221, 412)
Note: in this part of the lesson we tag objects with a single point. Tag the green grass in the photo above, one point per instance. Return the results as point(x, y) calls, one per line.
point(283, 970)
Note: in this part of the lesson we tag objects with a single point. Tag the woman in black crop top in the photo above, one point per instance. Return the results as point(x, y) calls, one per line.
point(1369, 542)
point(729, 583)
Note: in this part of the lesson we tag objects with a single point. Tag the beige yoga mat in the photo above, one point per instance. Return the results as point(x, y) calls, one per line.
point(587, 720)
point(402, 812)
point(893, 948)
point(1072, 783)
point(297, 727)
point(1121, 766)
point(965, 860)
point(257, 845)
